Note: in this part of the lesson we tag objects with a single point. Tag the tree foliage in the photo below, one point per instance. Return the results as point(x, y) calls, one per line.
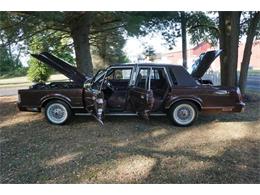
point(9, 62)
point(104, 33)
point(84, 29)
point(149, 53)
point(198, 25)
point(109, 48)
point(6, 62)
point(38, 72)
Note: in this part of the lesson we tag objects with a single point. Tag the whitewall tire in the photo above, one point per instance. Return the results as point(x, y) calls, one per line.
point(183, 113)
point(57, 112)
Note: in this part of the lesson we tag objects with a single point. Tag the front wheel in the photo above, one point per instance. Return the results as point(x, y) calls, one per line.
point(183, 113)
point(57, 112)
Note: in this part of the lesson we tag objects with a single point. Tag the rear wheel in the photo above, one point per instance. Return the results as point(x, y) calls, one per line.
point(183, 113)
point(57, 112)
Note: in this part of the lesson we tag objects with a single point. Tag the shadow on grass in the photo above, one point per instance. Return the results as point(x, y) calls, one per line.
point(44, 153)
point(239, 163)
point(83, 151)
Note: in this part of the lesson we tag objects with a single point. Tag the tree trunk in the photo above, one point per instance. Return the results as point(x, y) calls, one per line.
point(80, 30)
point(247, 51)
point(229, 41)
point(184, 39)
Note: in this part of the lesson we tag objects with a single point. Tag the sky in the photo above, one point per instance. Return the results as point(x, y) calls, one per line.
point(135, 46)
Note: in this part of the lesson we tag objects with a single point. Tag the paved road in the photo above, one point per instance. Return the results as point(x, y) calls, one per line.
point(253, 83)
point(10, 90)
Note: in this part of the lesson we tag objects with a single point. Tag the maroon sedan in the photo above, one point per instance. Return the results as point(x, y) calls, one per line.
point(131, 89)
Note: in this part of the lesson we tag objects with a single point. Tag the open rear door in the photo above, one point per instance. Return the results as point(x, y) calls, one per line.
point(140, 95)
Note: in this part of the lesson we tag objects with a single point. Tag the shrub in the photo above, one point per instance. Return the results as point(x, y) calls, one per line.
point(38, 72)
point(18, 72)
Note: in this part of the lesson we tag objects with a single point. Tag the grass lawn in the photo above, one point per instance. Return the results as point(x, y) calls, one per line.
point(220, 148)
point(23, 81)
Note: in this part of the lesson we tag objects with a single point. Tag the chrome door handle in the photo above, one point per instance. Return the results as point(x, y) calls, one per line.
point(222, 92)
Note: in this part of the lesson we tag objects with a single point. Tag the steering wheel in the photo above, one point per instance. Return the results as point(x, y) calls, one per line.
point(108, 85)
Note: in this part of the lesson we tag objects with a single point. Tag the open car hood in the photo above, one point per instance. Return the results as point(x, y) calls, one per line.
point(63, 67)
point(200, 67)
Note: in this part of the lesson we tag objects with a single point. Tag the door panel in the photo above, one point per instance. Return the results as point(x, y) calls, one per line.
point(140, 99)
point(119, 84)
point(117, 100)
point(141, 96)
point(94, 104)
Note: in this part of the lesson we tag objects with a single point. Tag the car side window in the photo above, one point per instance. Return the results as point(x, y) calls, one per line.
point(120, 74)
point(142, 78)
point(155, 74)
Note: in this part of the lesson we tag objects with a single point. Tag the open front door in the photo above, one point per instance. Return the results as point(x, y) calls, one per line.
point(140, 95)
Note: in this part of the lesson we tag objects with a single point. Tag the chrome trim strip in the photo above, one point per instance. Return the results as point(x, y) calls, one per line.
point(77, 107)
point(82, 114)
point(158, 114)
point(149, 78)
point(121, 114)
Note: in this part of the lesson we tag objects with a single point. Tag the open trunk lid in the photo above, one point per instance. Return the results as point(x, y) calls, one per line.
point(63, 67)
point(200, 67)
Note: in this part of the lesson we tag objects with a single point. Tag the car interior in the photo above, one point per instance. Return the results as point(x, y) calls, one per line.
point(159, 85)
point(116, 95)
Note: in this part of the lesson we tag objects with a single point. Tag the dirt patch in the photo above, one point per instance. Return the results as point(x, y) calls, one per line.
point(216, 149)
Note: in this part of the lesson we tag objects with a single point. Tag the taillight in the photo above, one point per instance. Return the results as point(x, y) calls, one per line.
point(19, 98)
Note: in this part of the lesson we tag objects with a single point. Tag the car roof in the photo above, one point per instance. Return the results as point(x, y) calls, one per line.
point(181, 75)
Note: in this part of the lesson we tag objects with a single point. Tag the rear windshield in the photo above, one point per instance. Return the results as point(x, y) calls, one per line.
point(181, 76)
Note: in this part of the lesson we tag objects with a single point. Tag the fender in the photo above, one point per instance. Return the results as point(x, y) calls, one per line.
point(195, 99)
point(55, 96)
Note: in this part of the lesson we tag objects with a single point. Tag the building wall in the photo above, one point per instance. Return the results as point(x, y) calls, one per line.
point(192, 54)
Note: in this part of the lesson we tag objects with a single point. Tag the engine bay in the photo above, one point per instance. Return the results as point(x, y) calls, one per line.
point(56, 85)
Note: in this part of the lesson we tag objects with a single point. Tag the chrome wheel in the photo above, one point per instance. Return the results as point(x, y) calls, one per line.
point(57, 113)
point(184, 114)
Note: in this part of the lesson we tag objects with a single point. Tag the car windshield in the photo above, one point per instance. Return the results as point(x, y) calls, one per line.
point(98, 75)
point(96, 81)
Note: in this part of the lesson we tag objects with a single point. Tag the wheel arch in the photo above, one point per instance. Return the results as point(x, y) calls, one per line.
point(195, 101)
point(45, 100)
